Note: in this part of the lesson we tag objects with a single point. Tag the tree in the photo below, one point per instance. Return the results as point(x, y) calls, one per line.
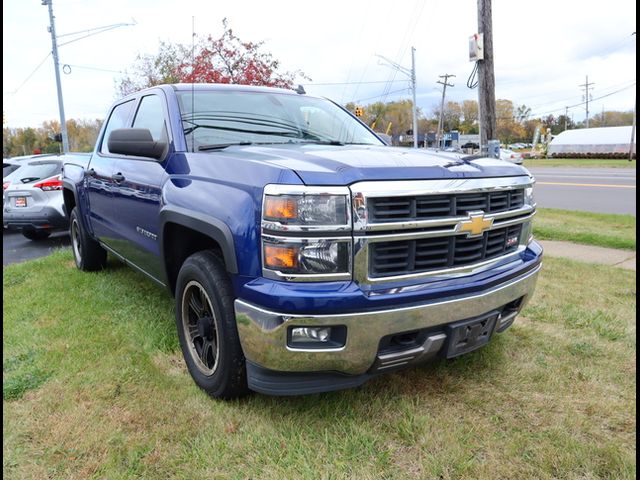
point(469, 117)
point(214, 60)
point(400, 115)
point(24, 141)
point(611, 119)
point(508, 129)
point(522, 114)
point(452, 116)
point(562, 119)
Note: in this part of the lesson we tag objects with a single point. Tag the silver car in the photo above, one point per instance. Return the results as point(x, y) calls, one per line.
point(33, 200)
point(511, 156)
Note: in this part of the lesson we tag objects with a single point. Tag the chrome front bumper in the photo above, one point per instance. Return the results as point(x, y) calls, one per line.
point(263, 333)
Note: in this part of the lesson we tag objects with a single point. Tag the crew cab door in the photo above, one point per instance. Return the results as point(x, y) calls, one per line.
point(137, 192)
point(99, 178)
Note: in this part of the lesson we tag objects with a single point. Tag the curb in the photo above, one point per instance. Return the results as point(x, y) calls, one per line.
point(590, 254)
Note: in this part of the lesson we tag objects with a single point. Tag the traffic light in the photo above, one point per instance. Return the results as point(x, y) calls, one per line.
point(57, 137)
point(359, 111)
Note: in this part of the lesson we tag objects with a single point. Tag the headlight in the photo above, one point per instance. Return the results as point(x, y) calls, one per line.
point(306, 256)
point(306, 209)
point(306, 233)
point(528, 196)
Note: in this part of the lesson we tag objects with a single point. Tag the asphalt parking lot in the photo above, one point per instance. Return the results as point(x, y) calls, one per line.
point(16, 248)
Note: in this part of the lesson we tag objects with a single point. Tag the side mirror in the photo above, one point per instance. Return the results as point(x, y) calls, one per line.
point(135, 141)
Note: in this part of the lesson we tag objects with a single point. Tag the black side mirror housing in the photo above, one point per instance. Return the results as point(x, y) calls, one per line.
point(135, 141)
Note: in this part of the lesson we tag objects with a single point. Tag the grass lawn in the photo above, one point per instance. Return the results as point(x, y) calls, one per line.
point(600, 229)
point(579, 162)
point(94, 386)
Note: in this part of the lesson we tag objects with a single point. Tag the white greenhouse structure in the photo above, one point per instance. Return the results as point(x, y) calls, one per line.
point(605, 142)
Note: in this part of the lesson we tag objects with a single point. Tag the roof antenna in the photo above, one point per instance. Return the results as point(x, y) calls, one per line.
point(300, 90)
point(193, 66)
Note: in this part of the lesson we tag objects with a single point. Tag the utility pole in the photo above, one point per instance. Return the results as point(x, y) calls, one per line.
point(633, 132)
point(54, 43)
point(411, 73)
point(444, 90)
point(566, 115)
point(413, 89)
point(486, 79)
point(587, 87)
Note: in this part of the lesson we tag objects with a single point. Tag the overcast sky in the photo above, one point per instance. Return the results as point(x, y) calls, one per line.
point(543, 49)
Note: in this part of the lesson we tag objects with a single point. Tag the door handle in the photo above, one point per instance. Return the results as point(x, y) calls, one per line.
point(118, 177)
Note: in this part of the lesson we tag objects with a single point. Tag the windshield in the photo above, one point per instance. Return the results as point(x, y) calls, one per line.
point(223, 118)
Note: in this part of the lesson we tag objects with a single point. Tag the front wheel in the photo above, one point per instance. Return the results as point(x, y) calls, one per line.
point(206, 327)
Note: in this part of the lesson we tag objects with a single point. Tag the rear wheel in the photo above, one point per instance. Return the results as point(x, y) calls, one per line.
point(88, 253)
point(206, 327)
point(35, 235)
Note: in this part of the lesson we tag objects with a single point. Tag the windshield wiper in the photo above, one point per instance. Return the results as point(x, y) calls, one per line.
point(324, 142)
point(221, 146)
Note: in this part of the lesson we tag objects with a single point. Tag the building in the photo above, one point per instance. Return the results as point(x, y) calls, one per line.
point(605, 142)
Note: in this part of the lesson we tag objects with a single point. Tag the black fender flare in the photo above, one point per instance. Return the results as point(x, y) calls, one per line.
point(205, 224)
point(67, 185)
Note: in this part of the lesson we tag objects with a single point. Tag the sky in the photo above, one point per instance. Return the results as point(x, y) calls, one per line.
point(543, 49)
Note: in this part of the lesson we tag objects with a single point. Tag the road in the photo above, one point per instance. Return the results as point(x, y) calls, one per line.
point(16, 248)
point(602, 190)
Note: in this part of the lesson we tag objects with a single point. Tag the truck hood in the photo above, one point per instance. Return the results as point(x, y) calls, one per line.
point(344, 165)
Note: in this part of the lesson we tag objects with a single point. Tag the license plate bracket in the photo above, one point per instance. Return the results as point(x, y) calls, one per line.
point(469, 335)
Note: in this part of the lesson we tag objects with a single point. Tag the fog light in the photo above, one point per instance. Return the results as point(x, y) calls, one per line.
point(310, 334)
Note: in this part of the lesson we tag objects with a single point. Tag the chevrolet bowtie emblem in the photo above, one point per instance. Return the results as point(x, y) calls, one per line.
point(475, 225)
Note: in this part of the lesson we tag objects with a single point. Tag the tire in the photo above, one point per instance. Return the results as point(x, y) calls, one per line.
point(207, 327)
point(35, 235)
point(88, 253)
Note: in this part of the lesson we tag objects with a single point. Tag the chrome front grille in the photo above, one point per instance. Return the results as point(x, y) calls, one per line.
point(414, 229)
point(403, 257)
point(395, 209)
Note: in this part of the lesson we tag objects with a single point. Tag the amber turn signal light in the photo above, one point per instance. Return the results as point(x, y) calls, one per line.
point(280, 257)
point(280, 208)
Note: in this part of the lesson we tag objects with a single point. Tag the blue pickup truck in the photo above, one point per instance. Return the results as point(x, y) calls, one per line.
point(304, 255)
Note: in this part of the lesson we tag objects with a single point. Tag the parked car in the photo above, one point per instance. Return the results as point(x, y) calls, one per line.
point(510, 156)
point(32, 196)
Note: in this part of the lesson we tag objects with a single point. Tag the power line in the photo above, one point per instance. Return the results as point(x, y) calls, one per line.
point(582, 103)
point(378, 96)
point(614, 46)
point(94, 31)
point(66, 69)
point(406, 38)
point(347, 83)
point(567, 99)
point(30, 75)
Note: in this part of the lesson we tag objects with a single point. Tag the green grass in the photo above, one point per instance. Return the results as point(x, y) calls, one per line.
point(600, 229)
point(580, 162)
point(109, 396)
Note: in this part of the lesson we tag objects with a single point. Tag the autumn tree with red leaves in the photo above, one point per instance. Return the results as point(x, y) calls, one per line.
point(214, 60)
